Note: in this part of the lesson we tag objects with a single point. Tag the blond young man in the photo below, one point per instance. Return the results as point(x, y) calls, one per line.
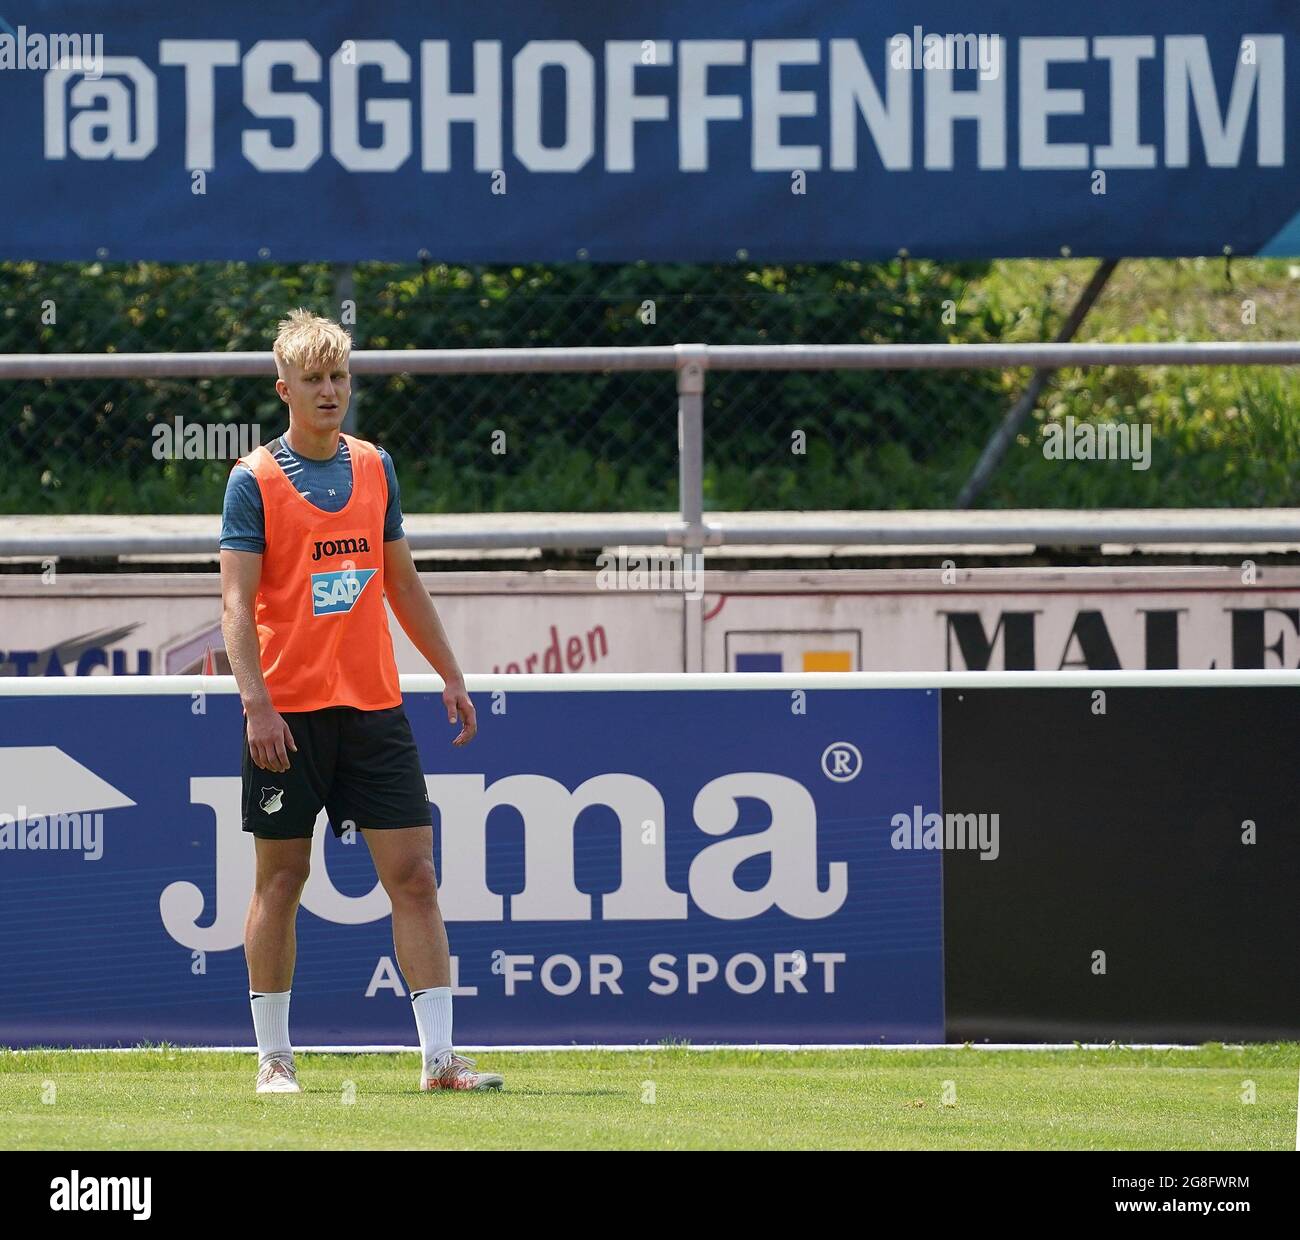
point(311, 546)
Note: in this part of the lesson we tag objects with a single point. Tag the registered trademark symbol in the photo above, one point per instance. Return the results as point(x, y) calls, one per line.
point(842, 761)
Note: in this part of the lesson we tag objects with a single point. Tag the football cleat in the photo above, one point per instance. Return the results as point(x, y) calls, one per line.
point(277, 1075)
point(456, 1072)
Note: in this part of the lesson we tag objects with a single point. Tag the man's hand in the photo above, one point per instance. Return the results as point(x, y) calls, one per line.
point(417, 615)
point(457, 702)
point(269, 739)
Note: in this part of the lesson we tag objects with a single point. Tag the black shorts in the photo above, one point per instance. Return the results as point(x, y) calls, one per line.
point(362, 766)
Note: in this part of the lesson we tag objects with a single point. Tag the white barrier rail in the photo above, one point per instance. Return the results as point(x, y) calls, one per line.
point(596, 682)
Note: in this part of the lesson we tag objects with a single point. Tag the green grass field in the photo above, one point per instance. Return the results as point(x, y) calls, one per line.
point(666, 1098)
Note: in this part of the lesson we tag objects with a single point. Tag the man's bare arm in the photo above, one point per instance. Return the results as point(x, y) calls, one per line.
point(417, 615)
point(269, 738)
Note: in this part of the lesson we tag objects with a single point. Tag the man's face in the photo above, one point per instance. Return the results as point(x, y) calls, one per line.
point(317, 396)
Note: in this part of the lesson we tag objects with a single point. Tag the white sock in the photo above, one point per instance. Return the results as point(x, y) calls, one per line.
point(271, 1023)
point(433, 1019)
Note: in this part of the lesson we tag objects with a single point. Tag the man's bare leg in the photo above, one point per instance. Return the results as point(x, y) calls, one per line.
point(404, 862)
point(271, 949)
point(270, 929)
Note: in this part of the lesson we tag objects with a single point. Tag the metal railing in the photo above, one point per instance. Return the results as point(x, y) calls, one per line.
point(692, 363)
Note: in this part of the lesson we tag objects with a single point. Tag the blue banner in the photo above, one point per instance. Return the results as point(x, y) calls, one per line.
point(790, 130)
point(633, 866)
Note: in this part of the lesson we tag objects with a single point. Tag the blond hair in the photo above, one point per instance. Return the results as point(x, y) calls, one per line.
point(310, 342)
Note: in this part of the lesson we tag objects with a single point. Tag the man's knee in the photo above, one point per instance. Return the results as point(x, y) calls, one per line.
point(413, 880)
point(282, 885)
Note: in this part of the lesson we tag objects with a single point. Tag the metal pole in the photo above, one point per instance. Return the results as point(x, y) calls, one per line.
point(344, 292)
point(996, 448)
point(37, 537)
point(691, 363)
point(663, 357)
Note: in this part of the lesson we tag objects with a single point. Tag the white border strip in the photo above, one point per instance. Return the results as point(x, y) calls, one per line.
point(1182, 678)
point(644, 1047)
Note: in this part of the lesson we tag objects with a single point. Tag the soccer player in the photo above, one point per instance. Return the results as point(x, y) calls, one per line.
point(311, 545)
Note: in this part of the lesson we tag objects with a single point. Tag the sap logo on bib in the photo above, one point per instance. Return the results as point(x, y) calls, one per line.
point(335, 592)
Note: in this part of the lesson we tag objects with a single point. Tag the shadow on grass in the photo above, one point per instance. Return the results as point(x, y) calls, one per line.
point(516, 1093)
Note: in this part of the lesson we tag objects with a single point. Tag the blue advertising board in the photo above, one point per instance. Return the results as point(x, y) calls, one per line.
point(615, 866)
point(790, 130)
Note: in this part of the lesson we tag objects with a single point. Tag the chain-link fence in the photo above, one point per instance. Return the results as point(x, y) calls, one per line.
point(608, 442)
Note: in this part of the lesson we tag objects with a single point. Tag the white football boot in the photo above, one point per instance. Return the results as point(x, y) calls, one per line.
point(277, 1075)
point(456, 1072)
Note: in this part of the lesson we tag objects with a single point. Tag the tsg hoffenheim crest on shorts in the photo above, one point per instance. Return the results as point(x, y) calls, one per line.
point(337, 591)
point(272, 800)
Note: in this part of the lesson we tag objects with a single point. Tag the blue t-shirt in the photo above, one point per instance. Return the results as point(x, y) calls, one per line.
point(327, 484)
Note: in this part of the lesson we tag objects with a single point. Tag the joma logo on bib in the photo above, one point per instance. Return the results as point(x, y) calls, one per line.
point(339, 546)
point(337, 591)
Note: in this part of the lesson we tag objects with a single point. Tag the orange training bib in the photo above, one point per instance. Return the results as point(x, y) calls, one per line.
point(321, 621)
